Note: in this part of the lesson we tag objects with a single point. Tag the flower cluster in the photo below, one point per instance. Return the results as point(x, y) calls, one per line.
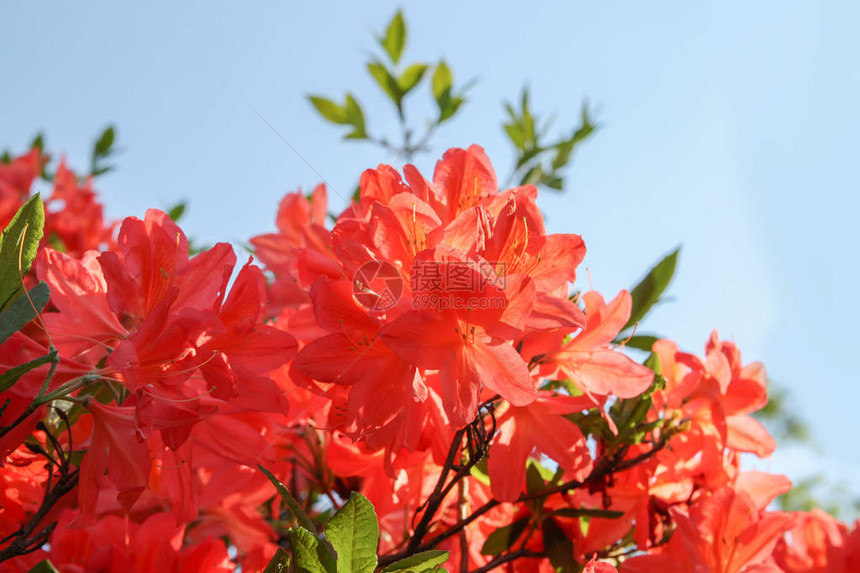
point(427, 350)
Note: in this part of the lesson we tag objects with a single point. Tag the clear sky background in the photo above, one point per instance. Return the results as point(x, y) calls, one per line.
point(728, 127)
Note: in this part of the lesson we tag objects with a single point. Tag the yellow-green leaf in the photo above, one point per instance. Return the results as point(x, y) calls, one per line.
point(18, 246)
point(354, 533)
point(395, 37)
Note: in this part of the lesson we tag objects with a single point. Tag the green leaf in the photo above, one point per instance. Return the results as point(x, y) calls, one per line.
point(653, 362)
point(574, 512)
point(310, 555)
point(329, 110)
point(501, 539)
point(38, 142)
point(20, 240)
point(442, 81)
point(101, 150)
point(291, 502)
point(627, 414)
point(21, 311)
point(479, 471)
point(410, 78)
point(423, 562)
point(592, 423)
point(631, 415)
point(450, 108)
point(101, 170)
point(528, 119)
point(584, 524)
point(587, 127)
point(534, 480)
point(104, 143)
point(558, 547)
point(647, 293)
point(516, 135)
point(386, 81)
point(354, 533)
point(44, 566)
point(355, 117)
point(641, 342)
point(533, 176)
point(395, 37)
point(532, 152)
point(175, 212)
point(562, 155)
point(353, 111)
point(552, 182)
point(280, 563)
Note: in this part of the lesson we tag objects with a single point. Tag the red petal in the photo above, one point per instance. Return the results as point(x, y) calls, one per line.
point(608, 372)
point(501, 369)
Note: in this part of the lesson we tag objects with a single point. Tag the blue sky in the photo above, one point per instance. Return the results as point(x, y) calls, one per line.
point(728, 127)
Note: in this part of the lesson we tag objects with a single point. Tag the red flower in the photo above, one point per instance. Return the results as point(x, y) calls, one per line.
point(117, 449)
point(467, 343)
point(16, 178)
point(353, 354)
point(542, 427)
point(589, 359)
point(723, 533)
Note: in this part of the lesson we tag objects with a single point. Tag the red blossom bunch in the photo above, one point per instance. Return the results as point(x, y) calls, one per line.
point(427, 350)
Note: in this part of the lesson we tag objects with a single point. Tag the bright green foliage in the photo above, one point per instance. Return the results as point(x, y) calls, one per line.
point(349, 113)
point(410, 77)
point(641, 342)
point(647, 293)
point(354, 534)
point(396, 79)
point(22, 310)
point(443, 85)
point(12, 375)
point(311, 554)
point(102, 150)
point(630, 415)
point(395, 37)
point(503, 538)
point(18, 246)
point(280, 563)
point(176, 211)
point(348, 542)
point(355, 118)
point(423, 562)
point(539, 162)
point(292, 502)
point(328, 109)
point(387, 82)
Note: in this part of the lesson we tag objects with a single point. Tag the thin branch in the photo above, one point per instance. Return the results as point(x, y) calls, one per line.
point(435, 500)
point(505, 558)
point(605, 467)
point(27, 539)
